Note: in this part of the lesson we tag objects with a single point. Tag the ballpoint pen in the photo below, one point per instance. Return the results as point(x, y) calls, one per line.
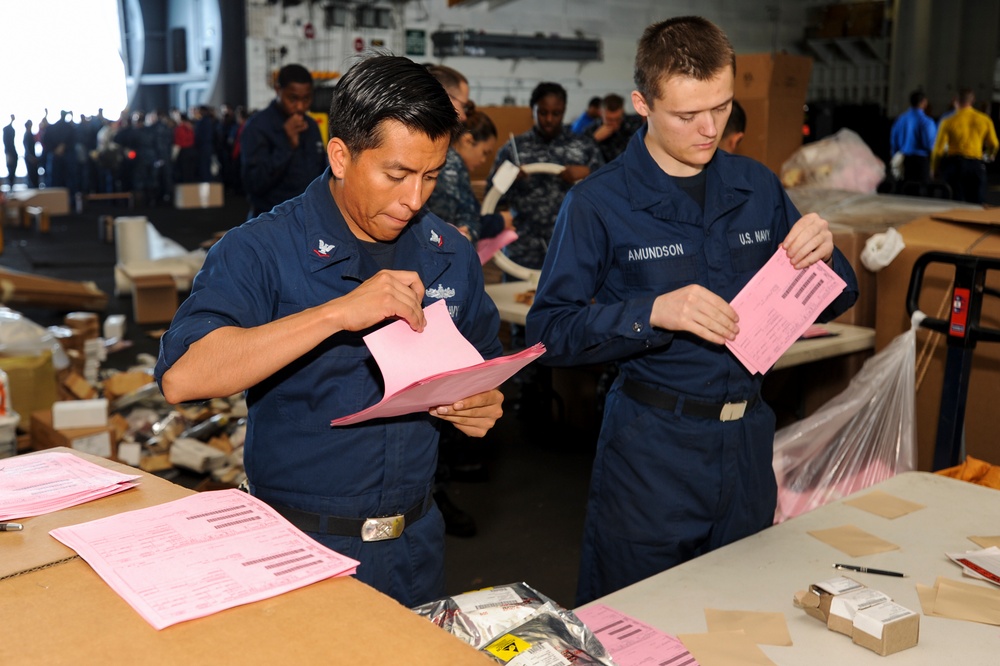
point(11, 527)
point(881, 572)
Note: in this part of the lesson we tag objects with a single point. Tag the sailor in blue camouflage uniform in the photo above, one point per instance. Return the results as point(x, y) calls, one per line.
point(279, 311)
point(453, 199)
point(535, 199)
point(646, 255)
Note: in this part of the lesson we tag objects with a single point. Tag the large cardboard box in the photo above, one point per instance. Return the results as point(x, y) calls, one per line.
point(961, 232)
point(772, 87)
point(154, 299)
point(198, 195)
point(509, 120)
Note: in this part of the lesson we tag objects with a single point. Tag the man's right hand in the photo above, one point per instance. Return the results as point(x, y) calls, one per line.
point(295, 125)
point(697, 310)
point(386, 295)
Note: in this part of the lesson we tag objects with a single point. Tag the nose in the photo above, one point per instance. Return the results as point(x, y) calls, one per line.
point(412, 195)
point(708, 128)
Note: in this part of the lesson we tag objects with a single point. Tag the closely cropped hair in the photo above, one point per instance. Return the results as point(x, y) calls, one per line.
point(688, 46)
point(450, 78)
point(916, 97)
point(293, 74)
point(544, 90)
point(613, 102)
point(385, 87)
point(480, 127)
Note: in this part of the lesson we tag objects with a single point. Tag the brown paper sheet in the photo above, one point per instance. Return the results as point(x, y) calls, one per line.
point(883, 504)
point(760, 627)
point(853, 541)
point(967, 601)
point(724, 648)
point(986, 541)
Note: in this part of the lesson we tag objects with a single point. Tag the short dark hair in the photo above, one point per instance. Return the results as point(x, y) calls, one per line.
point(545, 89)
point(916, 98)
point(293, 73)
point(594, 101)
point(966, 96)
point(480, 126)
point(613, 102)
point(383, 87)
point(689, 46)
point(737, 120)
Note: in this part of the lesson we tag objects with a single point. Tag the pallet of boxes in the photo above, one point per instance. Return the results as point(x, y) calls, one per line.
point(869, 617)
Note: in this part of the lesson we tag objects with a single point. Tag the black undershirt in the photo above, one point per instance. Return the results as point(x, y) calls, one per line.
point(383, 254)
point(694, 186)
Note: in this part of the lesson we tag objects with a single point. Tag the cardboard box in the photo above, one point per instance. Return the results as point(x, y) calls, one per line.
point(32, 382)
point(95, 441)
point(198, 195)
point(154, 299)
point(508, 120)
point(886, 628)
point(817, 599)
point(71, 414)
point(844, 607)
point(961, 232)
point(772, 87)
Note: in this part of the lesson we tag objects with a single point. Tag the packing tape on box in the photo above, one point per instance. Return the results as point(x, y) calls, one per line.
point(131, 239)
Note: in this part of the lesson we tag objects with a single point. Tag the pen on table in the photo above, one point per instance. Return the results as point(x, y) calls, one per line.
point(880, 572)
point(11, 527)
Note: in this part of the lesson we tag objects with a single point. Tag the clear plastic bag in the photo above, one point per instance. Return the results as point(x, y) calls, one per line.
point(842, 161)
point(864, 435)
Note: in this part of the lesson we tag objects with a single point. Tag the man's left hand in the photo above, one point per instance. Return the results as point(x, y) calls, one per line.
point(474, 415)
point(810, 240)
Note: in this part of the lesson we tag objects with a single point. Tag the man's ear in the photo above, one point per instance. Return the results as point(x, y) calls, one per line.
point(639, 103)
point(338, 155)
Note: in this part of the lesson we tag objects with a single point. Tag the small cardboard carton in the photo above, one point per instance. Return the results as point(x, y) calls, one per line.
point(886, 628)
point(844, 607)
point(816, 601)
point(154, 299)
point(95, 441)
point(198, 195)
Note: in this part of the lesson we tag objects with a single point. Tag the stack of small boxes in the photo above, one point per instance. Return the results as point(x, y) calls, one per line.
point(868, 616)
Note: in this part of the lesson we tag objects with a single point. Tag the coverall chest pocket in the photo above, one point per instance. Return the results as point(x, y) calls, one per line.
point(750, 250)
point(657, 268)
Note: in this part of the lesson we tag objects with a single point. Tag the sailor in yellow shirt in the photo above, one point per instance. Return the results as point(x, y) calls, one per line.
point(962, 140)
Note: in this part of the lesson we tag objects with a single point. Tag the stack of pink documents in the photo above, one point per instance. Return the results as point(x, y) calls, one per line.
point(46, 482)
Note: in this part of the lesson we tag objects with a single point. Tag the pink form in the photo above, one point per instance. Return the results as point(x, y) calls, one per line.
point(435, 367)
point(487, 247)
point(632, 643)
point(201, 554)
point(45, 482)
point(777, 306)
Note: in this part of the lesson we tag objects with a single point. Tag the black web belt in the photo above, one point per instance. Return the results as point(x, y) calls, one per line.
point(728, 411)
point(379, 528)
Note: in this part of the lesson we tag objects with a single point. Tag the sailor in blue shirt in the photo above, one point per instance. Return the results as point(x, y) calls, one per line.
point(279, 311)
point(645, 257)
point(913, 134)
point(281, 149)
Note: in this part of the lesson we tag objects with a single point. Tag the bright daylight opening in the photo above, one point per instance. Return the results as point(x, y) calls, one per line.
point(59, 55)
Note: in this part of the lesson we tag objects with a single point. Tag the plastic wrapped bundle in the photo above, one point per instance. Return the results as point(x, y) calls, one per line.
point(478, 617)
point(842, 162)
point(550, 637)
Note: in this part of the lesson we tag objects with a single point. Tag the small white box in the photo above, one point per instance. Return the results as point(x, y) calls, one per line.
point(80, 413)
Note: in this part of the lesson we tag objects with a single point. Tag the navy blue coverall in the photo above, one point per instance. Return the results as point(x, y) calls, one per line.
point(300, 255)
point(666, 486)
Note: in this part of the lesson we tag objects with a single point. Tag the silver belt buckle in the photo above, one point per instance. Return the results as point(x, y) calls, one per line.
point(733, 411)
point(383, 528)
